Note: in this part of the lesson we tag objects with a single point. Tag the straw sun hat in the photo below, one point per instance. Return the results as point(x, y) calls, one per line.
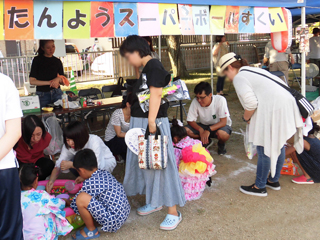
point(226, 60)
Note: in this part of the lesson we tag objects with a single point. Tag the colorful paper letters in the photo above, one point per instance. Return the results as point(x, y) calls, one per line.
point(30, 19)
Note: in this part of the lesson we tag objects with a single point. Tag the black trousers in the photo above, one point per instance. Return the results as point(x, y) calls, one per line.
point(118, 146)
point(220, 84)
point(10, 207)
point(46, 166)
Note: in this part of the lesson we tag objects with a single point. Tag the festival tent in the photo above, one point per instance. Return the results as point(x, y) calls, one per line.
point(251, 3)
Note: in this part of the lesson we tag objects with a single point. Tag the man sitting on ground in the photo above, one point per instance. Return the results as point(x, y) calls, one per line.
point(214, 118)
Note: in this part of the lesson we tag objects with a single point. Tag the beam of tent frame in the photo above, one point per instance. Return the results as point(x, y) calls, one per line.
point(303, 55)
point(269, 3)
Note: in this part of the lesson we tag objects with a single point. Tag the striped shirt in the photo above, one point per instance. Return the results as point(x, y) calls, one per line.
point(117, 119)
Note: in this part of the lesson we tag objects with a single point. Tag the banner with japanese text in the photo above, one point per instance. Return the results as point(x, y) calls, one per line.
point(125, 19)
point(76, 20)
point(48, 20)
point(217, 18)
point(169, 22)
point(102, 21)
point(277, 21)
point(185, 15)
point(246, 20)
point(18, 19)
point(1, 21)
point(232, 19)
point(148, 18)
point(201, 21)
point(261, 20)
point(35, 19)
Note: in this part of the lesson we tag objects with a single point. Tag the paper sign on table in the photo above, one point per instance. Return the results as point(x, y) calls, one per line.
point(185, 15)
point(201, 20)
point(169, 22)
point(102, 19)
point(276, 20)
point(125, 19)
point(232, 19)
point(261, 17)
point(148, 18)
point(217, 18)
point(18, 19)
point(47, 20)
point(76, 20)
point(246, 20)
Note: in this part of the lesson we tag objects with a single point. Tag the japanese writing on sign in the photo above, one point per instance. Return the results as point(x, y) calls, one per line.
point(48, 20)
point(102, 19)
point(148, 18)
point(126, 19)
point(76, 19)
point(18, 20)
point(201, 20)
point(169, 22)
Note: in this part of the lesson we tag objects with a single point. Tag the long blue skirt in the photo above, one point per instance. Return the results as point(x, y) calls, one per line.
point(161, 187)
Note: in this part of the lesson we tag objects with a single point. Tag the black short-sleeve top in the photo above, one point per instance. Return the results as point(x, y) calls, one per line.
point(45, 69)
point(153, 74)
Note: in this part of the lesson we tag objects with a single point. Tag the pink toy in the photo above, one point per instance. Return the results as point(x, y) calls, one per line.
point(62, 182)
point(74, 219)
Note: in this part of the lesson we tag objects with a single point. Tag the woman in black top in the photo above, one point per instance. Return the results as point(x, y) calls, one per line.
point(162, 187)
point(45, 71)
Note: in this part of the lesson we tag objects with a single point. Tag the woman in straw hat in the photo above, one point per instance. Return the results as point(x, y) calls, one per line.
point(272, 116)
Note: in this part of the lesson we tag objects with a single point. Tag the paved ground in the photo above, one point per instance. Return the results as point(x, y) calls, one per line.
point(224, 212)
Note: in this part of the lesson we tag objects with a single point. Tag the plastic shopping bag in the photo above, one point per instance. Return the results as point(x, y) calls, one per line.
point(250, 149)
point(52, 126)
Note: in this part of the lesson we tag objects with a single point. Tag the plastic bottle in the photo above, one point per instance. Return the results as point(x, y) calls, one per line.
point(65, 101)
point(84, 102)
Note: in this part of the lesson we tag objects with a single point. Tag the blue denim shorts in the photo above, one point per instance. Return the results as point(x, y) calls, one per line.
point(49, 97)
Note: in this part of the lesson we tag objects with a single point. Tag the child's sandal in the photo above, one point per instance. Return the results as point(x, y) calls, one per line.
point(171, 222)
point(90, 234)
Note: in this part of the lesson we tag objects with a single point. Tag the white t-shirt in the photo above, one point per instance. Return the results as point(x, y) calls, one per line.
point(9, 109)
point(314, 45)
point(209, 115)
point(117, 119)
point(105, 158)
point(274, 55)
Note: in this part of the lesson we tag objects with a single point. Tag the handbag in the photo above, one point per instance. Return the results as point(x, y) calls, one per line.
point(153, 152)
point(117, 90)
point(305, 107)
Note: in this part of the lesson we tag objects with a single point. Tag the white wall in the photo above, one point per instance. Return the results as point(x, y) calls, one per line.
point(105, 43)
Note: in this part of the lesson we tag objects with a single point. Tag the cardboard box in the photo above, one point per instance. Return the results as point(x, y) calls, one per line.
point(316, 116)
point(30, 104)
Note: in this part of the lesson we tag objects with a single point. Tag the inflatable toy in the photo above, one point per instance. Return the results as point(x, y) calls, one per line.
point(281, 41)
point(60, 191)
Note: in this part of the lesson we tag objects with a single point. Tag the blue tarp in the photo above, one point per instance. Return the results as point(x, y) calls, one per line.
point(312, 7)
point(251, 3)
point(309, 11)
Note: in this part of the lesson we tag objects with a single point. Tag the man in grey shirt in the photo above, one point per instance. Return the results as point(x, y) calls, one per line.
point(278, 61)
point(314, 45)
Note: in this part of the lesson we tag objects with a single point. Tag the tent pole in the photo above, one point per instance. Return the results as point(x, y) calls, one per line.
point(303, 55)
point(211, 62)
point(159, 47)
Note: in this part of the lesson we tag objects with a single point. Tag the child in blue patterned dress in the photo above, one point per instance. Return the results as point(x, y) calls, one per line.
point(101, 197)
